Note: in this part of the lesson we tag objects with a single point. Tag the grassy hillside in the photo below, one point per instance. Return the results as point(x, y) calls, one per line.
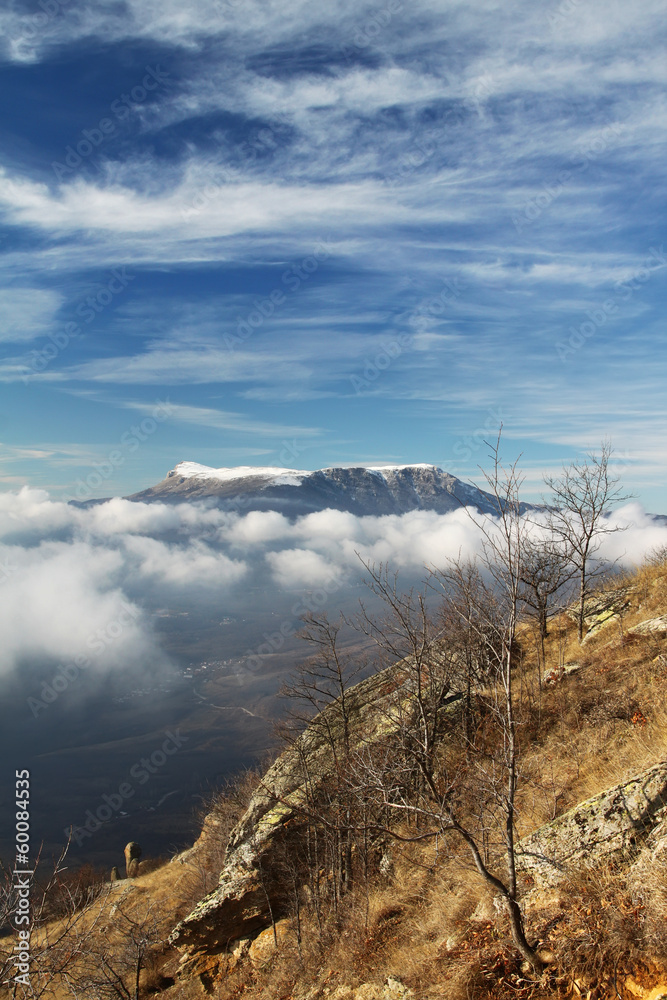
point(421, 923)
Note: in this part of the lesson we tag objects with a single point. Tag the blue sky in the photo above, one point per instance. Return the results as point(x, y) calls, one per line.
point(330, 234)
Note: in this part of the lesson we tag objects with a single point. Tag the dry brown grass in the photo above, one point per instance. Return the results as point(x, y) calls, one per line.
point(433, 924)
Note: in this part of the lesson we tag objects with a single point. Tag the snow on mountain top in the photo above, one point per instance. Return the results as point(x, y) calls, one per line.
point(275, 474)
point(285, 477)
point(397, 468)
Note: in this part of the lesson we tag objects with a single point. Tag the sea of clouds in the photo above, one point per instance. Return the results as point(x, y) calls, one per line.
point(89, 580)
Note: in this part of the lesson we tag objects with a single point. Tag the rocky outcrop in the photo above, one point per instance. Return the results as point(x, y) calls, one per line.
point(618, 819)
point(392, 989)
point(602, 609)
point(132, 856)
point(652, 626)
point(249, 893)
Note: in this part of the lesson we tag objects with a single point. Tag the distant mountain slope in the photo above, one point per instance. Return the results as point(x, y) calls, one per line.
point(387, 489)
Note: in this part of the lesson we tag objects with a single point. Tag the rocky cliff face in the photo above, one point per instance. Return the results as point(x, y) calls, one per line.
point(249, 892)
point(362, 491)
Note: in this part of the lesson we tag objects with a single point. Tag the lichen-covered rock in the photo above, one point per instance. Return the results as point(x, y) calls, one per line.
point(652, 626)
point(250, 889)
point(393, 989)
point(602, 609)
point(615, 820)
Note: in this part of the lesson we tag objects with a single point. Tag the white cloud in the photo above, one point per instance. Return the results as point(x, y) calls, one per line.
point(27, 313)
point(224, 420)
point(62, 601)
point(294, 568)
point(194, 565)
point(69, 574)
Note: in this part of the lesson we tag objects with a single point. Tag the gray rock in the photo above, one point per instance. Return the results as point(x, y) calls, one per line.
point(618, 819)
point(249, 891)
point(652, 626)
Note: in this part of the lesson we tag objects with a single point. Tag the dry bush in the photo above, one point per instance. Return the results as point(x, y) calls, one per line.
point(599, 938)
point(647, 882)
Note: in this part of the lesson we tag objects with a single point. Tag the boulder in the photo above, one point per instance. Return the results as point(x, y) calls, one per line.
point(618, 819)
point(132, 855)
point(651, 626)
point(602, 609)
point(264, 947)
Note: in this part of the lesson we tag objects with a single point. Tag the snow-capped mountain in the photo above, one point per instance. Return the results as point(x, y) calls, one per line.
point(382, 489)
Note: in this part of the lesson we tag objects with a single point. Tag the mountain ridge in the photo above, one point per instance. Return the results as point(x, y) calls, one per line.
point(360, 490)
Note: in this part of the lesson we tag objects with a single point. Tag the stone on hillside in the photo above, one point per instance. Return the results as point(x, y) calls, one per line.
point(615, 820)
point(556, 674)
point(602, 609)
point(132, 855)
point(263, 948)
point(652, 626)
point(115, 874)
point(393, 989)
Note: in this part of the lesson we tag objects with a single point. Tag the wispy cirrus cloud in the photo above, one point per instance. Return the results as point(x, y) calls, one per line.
point(516, 149)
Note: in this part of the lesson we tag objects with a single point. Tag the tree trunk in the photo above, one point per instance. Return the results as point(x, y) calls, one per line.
point(582, 604)
point(519, 936)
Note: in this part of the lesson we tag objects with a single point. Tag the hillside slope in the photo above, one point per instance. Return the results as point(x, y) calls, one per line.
point(416, 922)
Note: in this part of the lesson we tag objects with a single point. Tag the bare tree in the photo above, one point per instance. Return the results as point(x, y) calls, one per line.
point(581, 499)
point(503, 550)
point(462, 624)
point(318, 690)
point(473, 793)
point(407, 634)
point(111, 966)
point(61, 930)
point(546, 569)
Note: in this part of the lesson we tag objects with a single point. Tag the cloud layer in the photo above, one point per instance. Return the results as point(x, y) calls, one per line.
point(86, 582)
